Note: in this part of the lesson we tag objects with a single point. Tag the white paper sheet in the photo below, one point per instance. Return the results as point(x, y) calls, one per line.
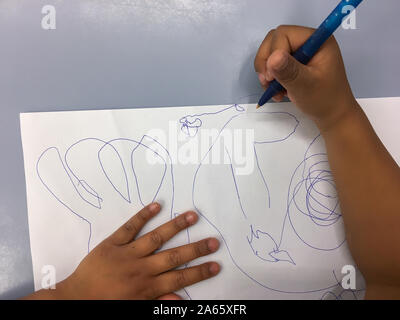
point(270, 199)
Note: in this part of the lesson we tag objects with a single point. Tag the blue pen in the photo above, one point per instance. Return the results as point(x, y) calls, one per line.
point(305, 53)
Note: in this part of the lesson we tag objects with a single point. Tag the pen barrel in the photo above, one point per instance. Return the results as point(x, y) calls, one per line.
point(335, 19)
point(326, 29)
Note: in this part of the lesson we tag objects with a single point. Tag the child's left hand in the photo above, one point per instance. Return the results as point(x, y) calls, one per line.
point(125, 267)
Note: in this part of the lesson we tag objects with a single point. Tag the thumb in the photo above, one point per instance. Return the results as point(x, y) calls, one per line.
point(288, 71)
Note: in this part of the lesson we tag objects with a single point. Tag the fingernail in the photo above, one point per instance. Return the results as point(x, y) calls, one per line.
point(213, 268)
point(191, 217)
point(154, 207)
point(212, 244)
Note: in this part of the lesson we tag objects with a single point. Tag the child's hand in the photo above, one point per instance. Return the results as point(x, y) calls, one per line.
point(320, 89)
point(125, 267)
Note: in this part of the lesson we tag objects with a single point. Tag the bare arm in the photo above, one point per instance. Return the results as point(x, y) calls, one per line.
point(366, 176)
point(368, 183)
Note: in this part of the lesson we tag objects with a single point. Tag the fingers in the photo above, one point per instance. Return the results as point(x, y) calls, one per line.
point(172, 258)
point(129, 230)
point(280, 41)
point(175, 280)
point(263, 53)
point(289, 38)
point(263, 80)
point(284, 38)
point(153, 240)
point(293, 75)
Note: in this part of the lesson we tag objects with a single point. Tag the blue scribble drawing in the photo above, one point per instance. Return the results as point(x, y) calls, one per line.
point(319, 208)
point(261, 244)
point(292, 217)
point(103, 157)
point(305, 198)
point(191, 124)
point(270, 248)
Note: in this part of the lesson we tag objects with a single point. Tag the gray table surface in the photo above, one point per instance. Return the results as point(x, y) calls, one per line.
point(143, 53)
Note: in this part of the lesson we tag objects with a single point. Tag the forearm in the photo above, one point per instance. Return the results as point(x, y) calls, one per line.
point(368, 183)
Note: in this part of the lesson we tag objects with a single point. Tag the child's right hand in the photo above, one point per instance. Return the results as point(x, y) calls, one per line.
point(320, 89)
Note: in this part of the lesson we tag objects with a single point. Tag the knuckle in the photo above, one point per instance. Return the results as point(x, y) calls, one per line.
point(270, 33)
point(103, 250)
point(174, 258)
point(205, 271)
point(156, 238)
point(281, 28)
point(291, 73)
point(180, 279)
point(130, 227)
point(142, 216)
point(180, 222)
point(200, 249)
